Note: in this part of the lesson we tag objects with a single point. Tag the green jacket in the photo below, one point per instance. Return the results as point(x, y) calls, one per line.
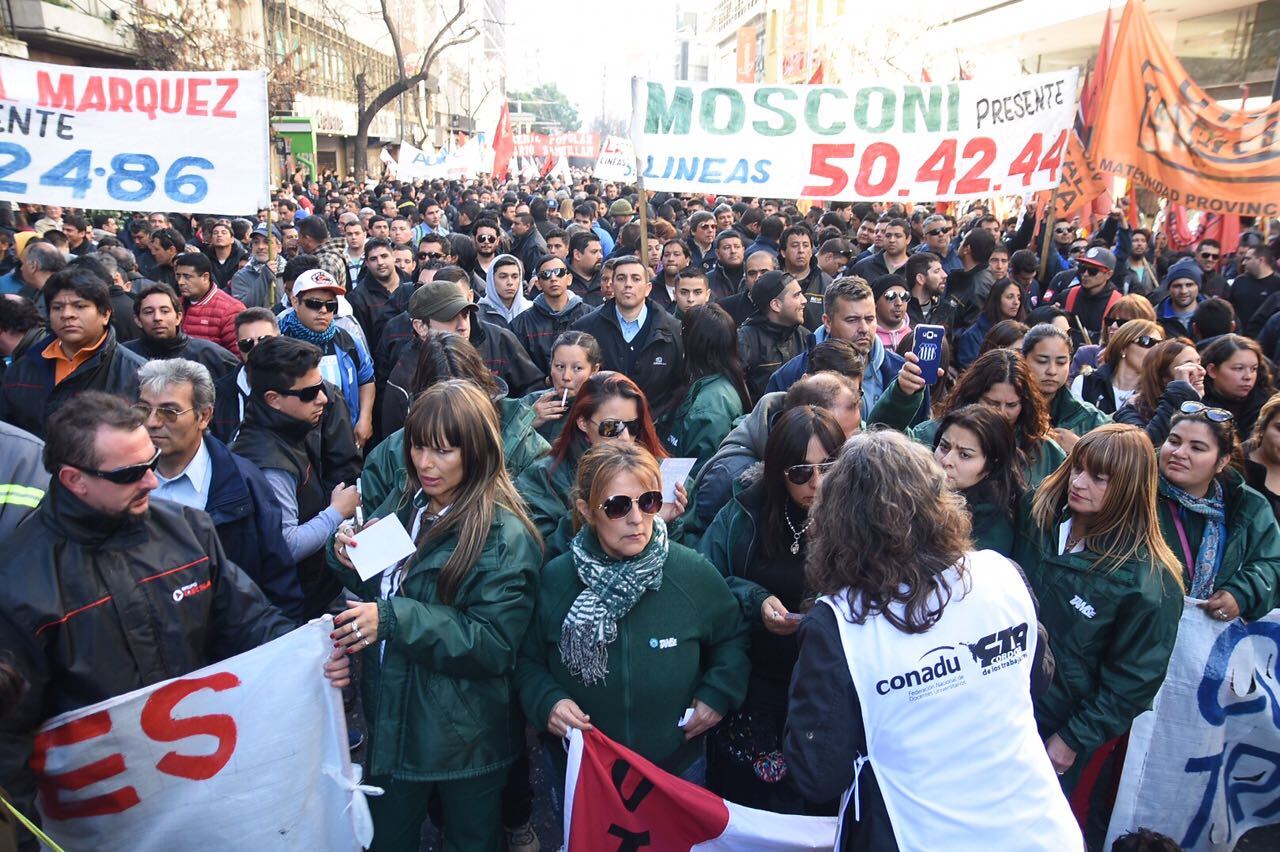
point(731, 540)
point(1067, 411)
point(437, 689)
point(1040, 463)
point(550, 430)
point(1111, 630)
point(547, 489)
point(384, 469)
point(699, 424)
point(992, 529)
point(1251, 561)
point(681, 641)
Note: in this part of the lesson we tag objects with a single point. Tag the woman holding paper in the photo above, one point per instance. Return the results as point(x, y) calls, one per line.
point(444, 625)
point(630, 629)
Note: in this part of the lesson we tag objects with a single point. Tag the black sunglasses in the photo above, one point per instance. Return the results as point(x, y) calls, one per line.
point(896, 297)
point(800, 474)
point(125, 475)
point(1062, 230)
point(1208, 255)
point(1217, 415)
point(430, 255)
point(548, 274)
point(619, 505)
point(308, 394)
point(1146, 341)
point(612, 428)
point(246, 344)
point(486, 239)
point(937, 232)
point(330, 305)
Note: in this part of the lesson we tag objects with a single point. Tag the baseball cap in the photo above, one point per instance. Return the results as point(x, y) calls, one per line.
point(261, 231)
point(768, 287)
point(1099, 257)
point(438, 300)
point(316, 279)
point(836, 246)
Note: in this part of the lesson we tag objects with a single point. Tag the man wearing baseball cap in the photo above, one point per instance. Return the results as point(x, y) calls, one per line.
point(255, 283)
point(345, 361)
point(1090, 299)
point(775, 333)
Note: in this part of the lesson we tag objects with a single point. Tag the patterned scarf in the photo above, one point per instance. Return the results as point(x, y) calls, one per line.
point(291, 326)
point(1214, 510)
point(612, 588)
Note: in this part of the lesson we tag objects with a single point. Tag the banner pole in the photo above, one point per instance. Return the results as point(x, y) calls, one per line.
point(643, 248)
point(1049, 218)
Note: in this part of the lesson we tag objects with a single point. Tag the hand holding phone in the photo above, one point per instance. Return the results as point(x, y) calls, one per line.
point(927, 348)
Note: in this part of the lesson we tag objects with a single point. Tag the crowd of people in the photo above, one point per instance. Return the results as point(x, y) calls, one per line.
point(199, 414)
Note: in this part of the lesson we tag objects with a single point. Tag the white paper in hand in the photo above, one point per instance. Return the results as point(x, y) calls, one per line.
point(380, 546)
point(673, 471)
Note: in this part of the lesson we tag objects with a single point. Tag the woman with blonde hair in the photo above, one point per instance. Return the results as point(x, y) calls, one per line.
point(1110, 592)
point(1118, 376)
point(1171, 375)
point(445, 624)
point(1124, 309)
point(913, 688)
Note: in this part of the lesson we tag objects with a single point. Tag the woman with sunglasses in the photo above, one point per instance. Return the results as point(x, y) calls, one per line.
point(715, 390)
point(1224, 531)
point(1110, 592)
point(575, 357)
point(609, 408)
point(977, 451)
point(1126, 308)
point(444, 626)
point(1006, 301)
point(1237, 378)
point(758, 542)
point(1117, 378)
point(1047, 352)
point(554, 309)
point(630, 628)
point(1171, 375)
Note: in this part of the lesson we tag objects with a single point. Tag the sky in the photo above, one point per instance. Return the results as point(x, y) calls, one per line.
point(590, 50)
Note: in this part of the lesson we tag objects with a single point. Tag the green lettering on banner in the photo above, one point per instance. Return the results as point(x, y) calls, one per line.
point(953, 107)
point(913, 102)
point(766, 128)
point(674, 117)
point(888, 108)
point(813, 104)
point(737, 111)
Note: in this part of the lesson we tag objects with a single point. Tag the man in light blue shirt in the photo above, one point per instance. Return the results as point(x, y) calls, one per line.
point(631, 327)
point(190, 485)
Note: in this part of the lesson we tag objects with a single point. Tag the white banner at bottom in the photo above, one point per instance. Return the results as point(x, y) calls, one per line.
point(250, 753)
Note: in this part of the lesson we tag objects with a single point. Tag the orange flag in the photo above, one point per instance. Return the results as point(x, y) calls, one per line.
point(1158, 128)
point(1079, 184)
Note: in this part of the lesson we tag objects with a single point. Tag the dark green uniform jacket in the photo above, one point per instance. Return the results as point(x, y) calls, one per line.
point(703, 418)
point(1067, 411)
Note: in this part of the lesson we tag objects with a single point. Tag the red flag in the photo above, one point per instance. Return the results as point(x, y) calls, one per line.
point(549, 164)
point(1091, 96)
point(504, 144)
point(817, 75)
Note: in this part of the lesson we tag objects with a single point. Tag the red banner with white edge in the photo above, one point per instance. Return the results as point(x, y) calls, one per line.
point(250, 753)
point(615, 799)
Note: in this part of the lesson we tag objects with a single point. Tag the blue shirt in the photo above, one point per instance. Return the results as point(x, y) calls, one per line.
point(191, 486)
point(629, 328)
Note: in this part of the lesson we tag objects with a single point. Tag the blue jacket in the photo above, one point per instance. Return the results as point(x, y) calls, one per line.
point(10, 283)
point(246, 517)
point(969, 341)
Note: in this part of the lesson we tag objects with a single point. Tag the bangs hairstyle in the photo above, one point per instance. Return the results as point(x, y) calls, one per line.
point(456, 413)
point(1126, 527)
point(1157, 373)
point(788, 444)
point(1005, 366)
point(1126, 335)
point(604, 463)
point(595, 392)
point(885, 529)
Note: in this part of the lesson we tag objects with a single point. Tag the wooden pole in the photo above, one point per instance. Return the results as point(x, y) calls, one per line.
point(1049, 218)
point(643, 248)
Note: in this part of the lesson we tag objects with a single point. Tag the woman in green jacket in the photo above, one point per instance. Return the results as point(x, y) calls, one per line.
point(980, 457)
point(715, 393)
point(1109, 588)
point(609, 407)
point(1224, 531)
point(575, 357)
point(1047, 351)
point(630, 628)
point(444, 626)
point(999, 379)
point(441, 357)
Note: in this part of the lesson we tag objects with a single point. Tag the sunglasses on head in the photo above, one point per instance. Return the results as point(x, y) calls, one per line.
point(548, 274)
point(330, 305)
point(246, 344)
point(166, 414)
point(937, 232)
point(619, 506)
point(486, 239)
point(125, 475)
point(307, 394)
point(800, 474)
point(1208, 255)
point(612, 428)
point(430, 255)
point(1217, 415)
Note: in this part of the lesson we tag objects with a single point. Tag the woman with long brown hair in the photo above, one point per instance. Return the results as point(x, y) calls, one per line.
point(445, 624)
point(1118, 377)
point(913, 688)
point(1262, 454)
point(1237, 378)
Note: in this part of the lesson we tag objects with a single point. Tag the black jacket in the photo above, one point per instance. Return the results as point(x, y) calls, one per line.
point(373, 307)
point(529, 249)
point(814, 287)
point(397, 332)
point(223, 272)
point(122, 314)
point(1095, 389)
point(29, 394)
point(588, 289)
point(765, 346)
point(505, 357)
point(95, 607)
point(1156, 422)
point(724, 282)
point(538, 328)
point(738, 306)
point(654, 359)
point(658, 293)
point(217, 360)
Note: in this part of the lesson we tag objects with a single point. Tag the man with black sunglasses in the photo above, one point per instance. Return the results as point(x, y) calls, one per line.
point(1209, 258)
point(1090, 300)
point(554, 310)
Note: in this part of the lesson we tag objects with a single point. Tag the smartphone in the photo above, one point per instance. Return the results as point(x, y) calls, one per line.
point(928, 348)
point(794, 616)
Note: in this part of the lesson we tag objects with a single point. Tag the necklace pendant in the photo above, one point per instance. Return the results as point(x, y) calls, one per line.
point(795, 547)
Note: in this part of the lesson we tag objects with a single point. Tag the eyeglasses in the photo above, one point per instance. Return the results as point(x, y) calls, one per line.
point(308, 394)
point(895, 297)
point(486, 239)
point(937, 232)
point(613, 428)
point(1217, 415)
point(618, 506)
point(330, 305)
point(1146, 341)
point(1062, 230)
point(1076, 250)
point(548, 274)
point(430, 255)
point(1208, 255)
point(246, 344)
point(800, 474)
point(125, 475)
point(166, 415)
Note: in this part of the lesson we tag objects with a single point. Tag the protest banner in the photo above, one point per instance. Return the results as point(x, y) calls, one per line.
point(617, 160)
point(879, 141)
point(250, 753)
point(1204, 763)
point(1162, 131)
point(133, 140)
point(615, 799)
point(539, 145)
